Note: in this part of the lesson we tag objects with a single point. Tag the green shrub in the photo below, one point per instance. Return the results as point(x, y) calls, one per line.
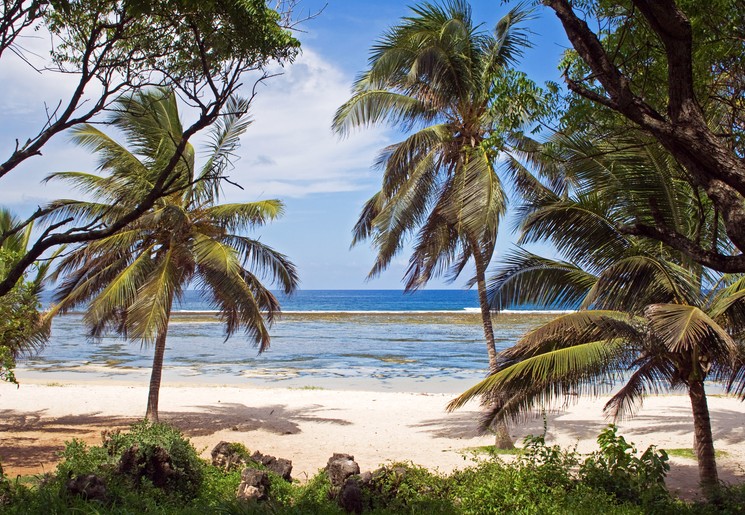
point(144, 441)
point(405, 487)
point(543, 479)
point(315, 496)
point(615, 468)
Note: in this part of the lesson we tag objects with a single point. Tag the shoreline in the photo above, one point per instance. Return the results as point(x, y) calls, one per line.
point(308, 425)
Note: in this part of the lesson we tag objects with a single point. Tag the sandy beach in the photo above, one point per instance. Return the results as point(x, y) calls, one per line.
point(308, 425)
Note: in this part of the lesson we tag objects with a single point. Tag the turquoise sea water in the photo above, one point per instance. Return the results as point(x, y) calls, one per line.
point(429, 341)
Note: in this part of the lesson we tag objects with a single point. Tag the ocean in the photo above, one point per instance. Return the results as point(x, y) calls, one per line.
point(428, 341)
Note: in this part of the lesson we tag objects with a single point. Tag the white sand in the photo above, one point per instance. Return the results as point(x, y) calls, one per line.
point(307, 426)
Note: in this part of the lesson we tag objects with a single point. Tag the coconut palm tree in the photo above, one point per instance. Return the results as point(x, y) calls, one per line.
point(649, 318)
point(435, 74)
point(130, 280)
point(23, 328)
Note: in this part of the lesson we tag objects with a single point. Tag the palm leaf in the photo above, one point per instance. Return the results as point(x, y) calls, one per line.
point(148, 314)
point(684, 328)
point(525, 278)
point(224, 139)
point(550, 375)
point(239, 217)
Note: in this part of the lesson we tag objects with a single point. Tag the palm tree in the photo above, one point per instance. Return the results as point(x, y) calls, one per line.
point(437, 72)
point(23, 328)
point(130, 280)
point(648, 317)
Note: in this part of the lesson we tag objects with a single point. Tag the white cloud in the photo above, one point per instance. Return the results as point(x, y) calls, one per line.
point(289, 149)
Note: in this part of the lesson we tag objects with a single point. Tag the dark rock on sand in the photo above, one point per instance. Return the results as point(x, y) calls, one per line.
point(279, 466)
point(254, 485)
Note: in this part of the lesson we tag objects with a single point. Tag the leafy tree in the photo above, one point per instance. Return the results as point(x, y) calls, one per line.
point(23, 328)
point(202, 50)
point(440, 75)
point(129, 280)
point(674, 71)
point(648, 318)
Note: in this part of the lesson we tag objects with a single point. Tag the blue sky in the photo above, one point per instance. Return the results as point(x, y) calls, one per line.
point(289, 151)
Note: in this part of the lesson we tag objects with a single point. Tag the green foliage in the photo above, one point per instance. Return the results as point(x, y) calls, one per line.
point(250, 33)
point(718, 61)
point(23, 328)
point(132, 487)
point(7, 365)
point(616, 469)
point(147, 438)
point(316, 495)
point(405, 487)
point(544, 479)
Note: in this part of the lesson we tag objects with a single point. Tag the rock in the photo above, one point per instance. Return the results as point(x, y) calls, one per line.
point(158, 467)
point(254, 485)
point(350, 497)
point(341, 467)
point(89, 487)
point(109, 438)
point(279, 466)
point(228, 456)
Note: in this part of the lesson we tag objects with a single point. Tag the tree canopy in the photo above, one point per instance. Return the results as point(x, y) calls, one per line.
point(649, 319)
point(202, 50)
point(672, 70)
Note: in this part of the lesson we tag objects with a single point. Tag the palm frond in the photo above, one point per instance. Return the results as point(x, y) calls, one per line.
point(370, 107)
point(264, 262)
point(525, 278)
point(231, 292)
point(573, 328)
point(585, 368)
point(684, 328)
point(476, 201)
point(148, 314)
point(634, 282)
point(651, 377)
point(239, 217)
point(224, 139)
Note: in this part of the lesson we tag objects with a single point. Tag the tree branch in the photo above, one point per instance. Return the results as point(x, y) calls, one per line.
point(708, 258)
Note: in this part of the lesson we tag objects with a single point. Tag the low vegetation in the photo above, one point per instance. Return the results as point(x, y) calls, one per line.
point(542, 479)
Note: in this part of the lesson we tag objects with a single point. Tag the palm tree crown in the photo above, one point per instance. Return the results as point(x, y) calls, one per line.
point(649, 318)
point(434, 74)
point(131, 279)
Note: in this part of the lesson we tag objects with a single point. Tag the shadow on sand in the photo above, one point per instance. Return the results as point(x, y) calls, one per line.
point(30, 440)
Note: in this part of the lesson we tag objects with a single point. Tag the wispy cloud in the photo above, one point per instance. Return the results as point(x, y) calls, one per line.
point(289, 149)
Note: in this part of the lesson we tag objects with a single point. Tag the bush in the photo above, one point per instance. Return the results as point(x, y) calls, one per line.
point(130, 464)
point(140, 450)
point(536, 482)
point(543, 479)
point(616, 469)
point(405, 487)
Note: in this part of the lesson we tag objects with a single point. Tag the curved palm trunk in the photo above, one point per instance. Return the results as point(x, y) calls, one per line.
point(484, 305)
point(703, 441)
point(151, 413)
point(503, 439)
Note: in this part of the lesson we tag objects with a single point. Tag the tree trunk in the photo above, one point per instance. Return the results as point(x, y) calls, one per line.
point(703, 441)
point(484, 305)
point(502, 437)
point(151, 413)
